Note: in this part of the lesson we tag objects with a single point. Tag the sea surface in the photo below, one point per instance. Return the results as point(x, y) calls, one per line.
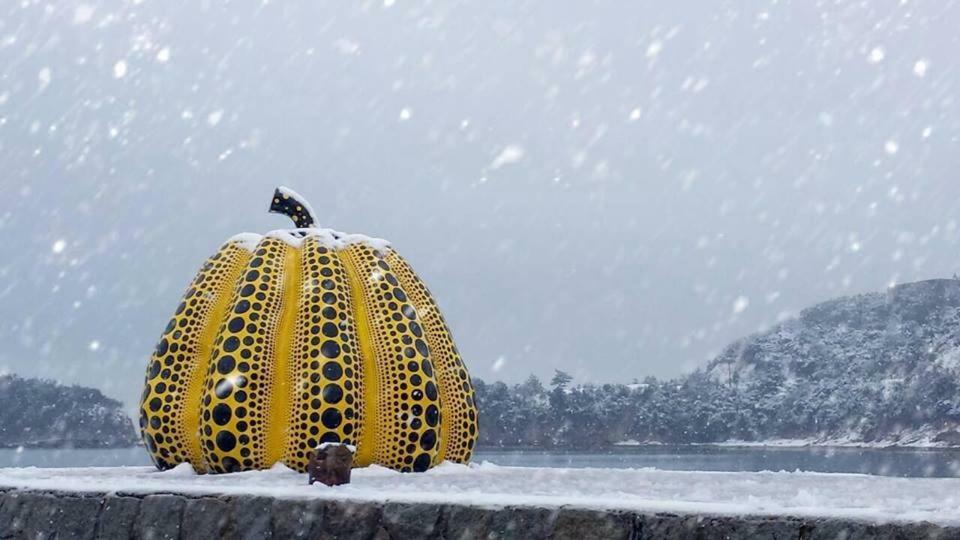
point(903, 462)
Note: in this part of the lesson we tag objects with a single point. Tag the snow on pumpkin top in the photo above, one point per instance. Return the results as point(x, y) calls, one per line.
point(295, 237)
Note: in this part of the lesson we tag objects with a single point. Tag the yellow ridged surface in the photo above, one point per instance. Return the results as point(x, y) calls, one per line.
point(274, 352)
point(326, 360)
point(367, 447)
point(278, 419)
point(459, 411)
point(238, 391)
point(408, 408)
point(170, 403)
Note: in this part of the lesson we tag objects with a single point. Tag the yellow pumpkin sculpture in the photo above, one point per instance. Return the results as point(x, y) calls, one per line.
point(300, 337)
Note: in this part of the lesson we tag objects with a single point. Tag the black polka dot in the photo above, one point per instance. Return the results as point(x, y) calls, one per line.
point(242, 307)
point(226, 441)
point(223, 389)
point(230, 464)
point(332, 394)
point(236, 324)
point(231, 344)
point(428, 440)
point(226, 364)
point(432, 415)
point(415, 328)
point(422, 463)
point(155, 404)
point(221, 414)
point(330, 349)
point(332, 371)
point(331, 418)
point(431, 390)
point(330, 329)
point(422, 347)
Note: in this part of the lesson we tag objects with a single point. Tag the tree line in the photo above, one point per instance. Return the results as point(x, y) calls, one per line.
point(697, 408)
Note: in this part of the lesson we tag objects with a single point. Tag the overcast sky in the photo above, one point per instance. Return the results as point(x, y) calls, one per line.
point(615, 189)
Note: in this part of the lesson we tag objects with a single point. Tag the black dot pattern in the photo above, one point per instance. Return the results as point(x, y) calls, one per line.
point(239, 384)
point(283, 203)
point(327, 405)
point(407, 435)
point(170, 400)
point(460, 426)
point(274, 352)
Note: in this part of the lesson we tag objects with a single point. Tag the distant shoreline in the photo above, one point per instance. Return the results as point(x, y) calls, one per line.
point(776, 444)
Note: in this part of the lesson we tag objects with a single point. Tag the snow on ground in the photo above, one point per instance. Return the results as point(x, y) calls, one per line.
point(853, 496)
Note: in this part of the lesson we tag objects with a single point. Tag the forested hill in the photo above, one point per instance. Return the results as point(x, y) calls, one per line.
point(39, 413)
point(875, 368)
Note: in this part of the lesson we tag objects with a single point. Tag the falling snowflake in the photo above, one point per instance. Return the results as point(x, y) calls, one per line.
point(920, 67)
point(214, 117)
point(510, 154)
point(44, 77)
point(876, 55)
point(654, 49)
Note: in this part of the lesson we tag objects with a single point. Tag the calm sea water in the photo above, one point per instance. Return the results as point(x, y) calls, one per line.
point(885, 461)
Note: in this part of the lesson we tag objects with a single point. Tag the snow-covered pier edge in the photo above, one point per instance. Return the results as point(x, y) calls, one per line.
point(473, 501)
point(46, 514)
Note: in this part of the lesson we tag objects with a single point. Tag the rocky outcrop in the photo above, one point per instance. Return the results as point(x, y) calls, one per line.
point(32, 514)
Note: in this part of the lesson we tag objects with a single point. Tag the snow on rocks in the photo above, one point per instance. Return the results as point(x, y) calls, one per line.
point(847, 496)
point(324, 446)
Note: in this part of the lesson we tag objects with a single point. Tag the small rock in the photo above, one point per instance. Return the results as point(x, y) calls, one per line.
point(331, 464)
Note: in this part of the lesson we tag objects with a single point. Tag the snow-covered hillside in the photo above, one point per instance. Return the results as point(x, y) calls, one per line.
point(876, 369)
point(868, 368)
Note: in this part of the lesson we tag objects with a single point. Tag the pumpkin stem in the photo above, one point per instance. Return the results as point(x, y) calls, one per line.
point(289, 203)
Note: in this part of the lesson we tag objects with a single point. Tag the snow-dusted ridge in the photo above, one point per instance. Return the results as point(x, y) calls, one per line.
point(798, 494)
point(295, 237)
